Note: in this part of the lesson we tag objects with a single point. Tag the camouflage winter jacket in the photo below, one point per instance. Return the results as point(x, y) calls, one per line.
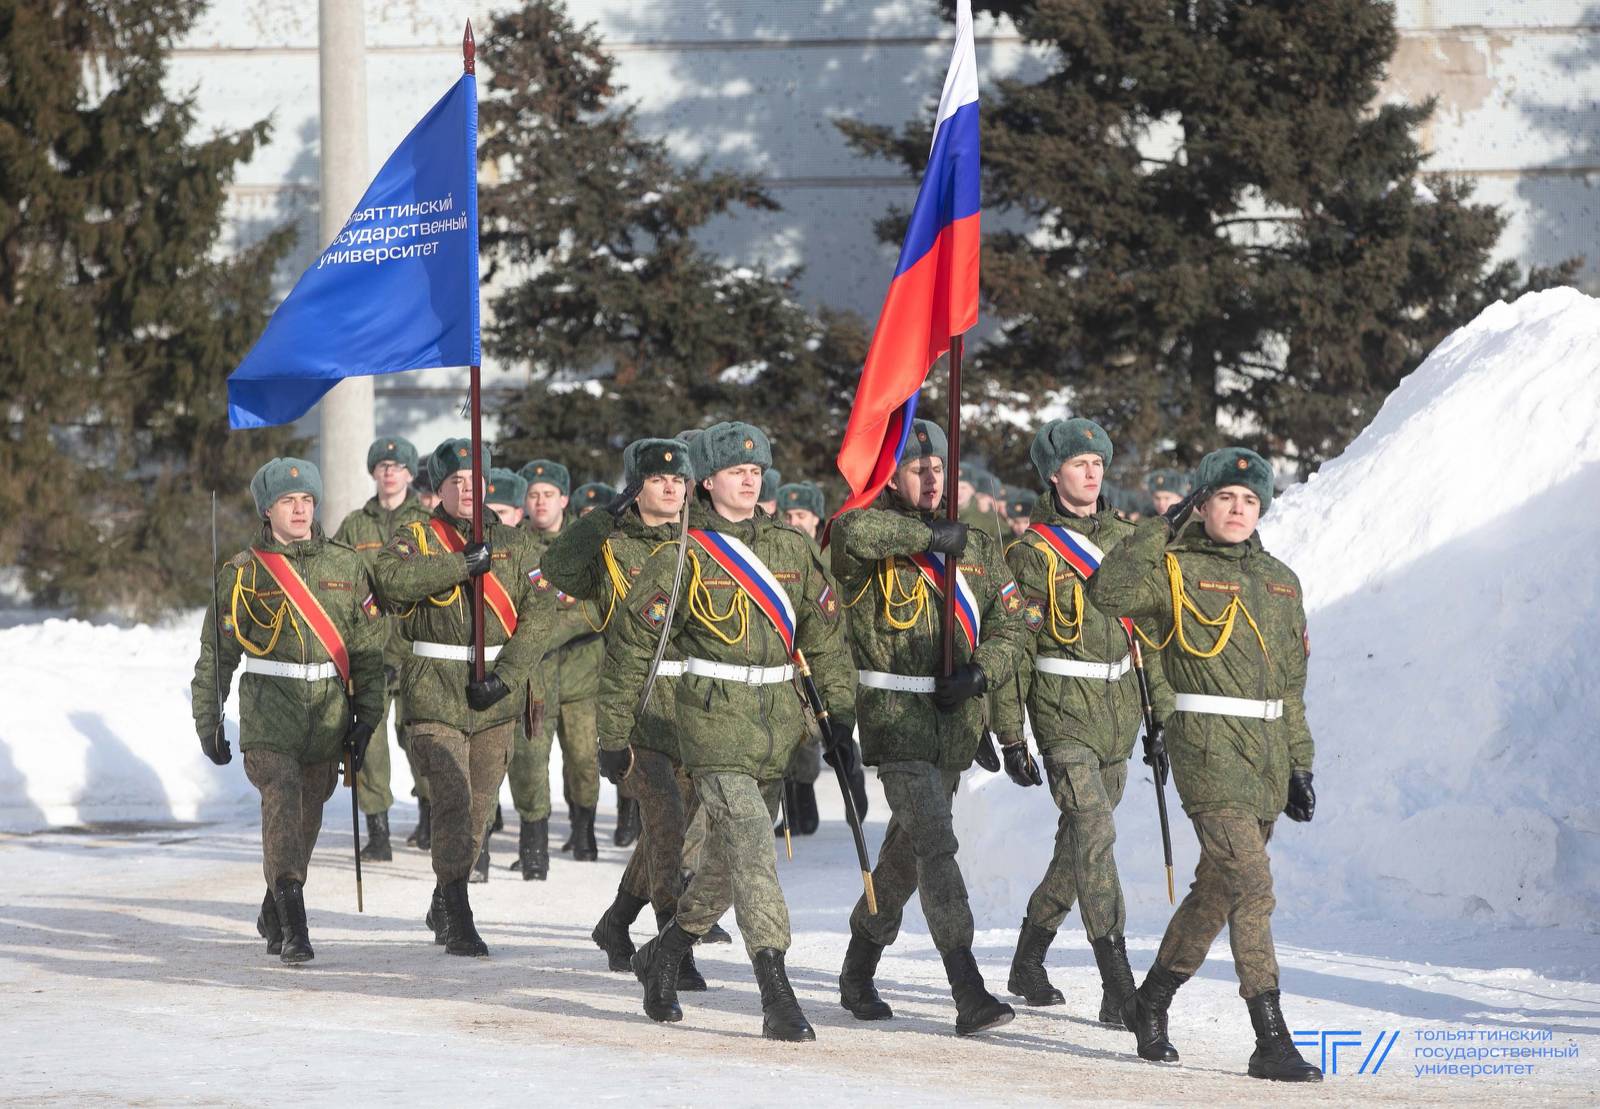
point(598, 562)
point(724, 725)
point(894, 628)
point(1220, 762)
point(1103, 716)
point(426, 585)
point(368, 529)
point(307, 720)
point(571, 671)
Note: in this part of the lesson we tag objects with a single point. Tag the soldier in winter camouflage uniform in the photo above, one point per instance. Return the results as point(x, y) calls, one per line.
point(1232, 632)
point(289, 607)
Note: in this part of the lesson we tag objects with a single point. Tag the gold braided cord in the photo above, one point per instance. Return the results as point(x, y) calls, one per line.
point(1072, 623)
point(1224, 621)
point(273, 621)
point(897, 599)
point(702, 608)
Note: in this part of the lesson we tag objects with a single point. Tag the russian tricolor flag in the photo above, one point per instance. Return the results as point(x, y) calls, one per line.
point(934, 294)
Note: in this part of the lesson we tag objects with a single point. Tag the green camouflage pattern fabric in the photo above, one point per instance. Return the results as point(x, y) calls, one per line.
point(723, 726)
point(571, 669)
point(292, 796)
point(896, 726)
point(1083, 867)
point(738, 867)
point(978, 520)
point(667, 802)
point(426, 585)
point(1233, 886)
point(918, 856)
point(1220, 762)
point(305, 720)
point(529, 775)
point(464, 775)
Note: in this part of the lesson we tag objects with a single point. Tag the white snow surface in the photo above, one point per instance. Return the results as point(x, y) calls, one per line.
point(1450, 559)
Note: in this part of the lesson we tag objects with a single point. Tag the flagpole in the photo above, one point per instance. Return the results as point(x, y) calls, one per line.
point(469, 51)
point(952, 478)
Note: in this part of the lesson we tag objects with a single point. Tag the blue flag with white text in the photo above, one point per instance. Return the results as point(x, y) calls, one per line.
point(397, 289)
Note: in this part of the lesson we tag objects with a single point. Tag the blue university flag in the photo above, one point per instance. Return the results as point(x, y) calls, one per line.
point(397, 289)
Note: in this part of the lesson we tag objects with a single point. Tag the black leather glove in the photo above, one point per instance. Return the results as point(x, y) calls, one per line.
point(1178, 514)
point(950, 690)
point(839, 747)
point(1155, 755)
point(477, 556)
point(949, 537)
point(619, 504)
point(986, 756)
point(1302, 804)
point(487, 693)
point(216, 746)
point(1020, 767)
point(355, 742)
point(616, 764)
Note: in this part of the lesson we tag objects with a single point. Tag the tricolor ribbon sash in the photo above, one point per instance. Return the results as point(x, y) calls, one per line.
point(751, 574)
point(494, 593)
point(931, 567)
point(310, 609)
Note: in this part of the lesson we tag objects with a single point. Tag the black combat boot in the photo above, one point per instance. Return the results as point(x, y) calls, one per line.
point(1028, 978)
point(480, 869)
point(377, 849)
point(611, 934)
point(436, 918)
point(533, 851)
point(628, 822)
point(572, 829)
point(716, 934)
point(1275, 1056)
point(977, 1010)
point(268, 925)
point(857, 992)
point(421, 836)
point(1144, 1013)
point(781, 1018)
point(689, 976)
point(1116, 977)
point(806, 818)
point(499, 822)
point(461, 936)
point(584, 848)
point(656, 966)
point(291, 902)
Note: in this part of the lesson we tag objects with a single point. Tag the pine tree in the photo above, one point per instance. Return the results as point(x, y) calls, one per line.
point(1207, 228)
point(626, 325)
point(118, 321)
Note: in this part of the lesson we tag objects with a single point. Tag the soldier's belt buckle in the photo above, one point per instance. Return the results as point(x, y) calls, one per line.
point(751, 677)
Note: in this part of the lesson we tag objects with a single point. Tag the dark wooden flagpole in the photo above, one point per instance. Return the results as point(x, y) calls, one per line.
point(952, 481)
point(469, 50)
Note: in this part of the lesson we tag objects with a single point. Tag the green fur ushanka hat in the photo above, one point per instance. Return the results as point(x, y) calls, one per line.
point(1236, 466)
point(450, 456)
point(1060, 440)
point(733, 443)
point(648, 457)
point(282, 476)
point(506, 487)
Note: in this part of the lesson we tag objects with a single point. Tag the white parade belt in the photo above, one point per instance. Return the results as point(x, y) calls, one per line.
point(898, 683)
point(728, 672)
point(1230, 706)
point(672, 668)
point(452, 652)
point(1073, 668)
point(301, 671)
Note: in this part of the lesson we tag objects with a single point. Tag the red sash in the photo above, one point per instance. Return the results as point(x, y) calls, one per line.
point(310, 609)
point(494, 594)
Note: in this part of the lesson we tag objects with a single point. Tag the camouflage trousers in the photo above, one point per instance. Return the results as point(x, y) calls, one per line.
point(805, 765)
point(575, 724)
point(918, 856)
point(464, 775)
point(373, 792)
point(292, 796)
point(1083, 868)
point(1233, 886)
point(694, 840)
point(667, 800)
point(738, 866)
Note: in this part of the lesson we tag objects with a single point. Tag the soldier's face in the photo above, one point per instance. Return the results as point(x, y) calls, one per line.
point(290, 517)
point(510, 515)
point(1018, 525)
point(734, 490)
point(1078, 480)
point(545, 504)
point(921, 483)
point(1230, 514)
point(1164, 499)
point(429, 499)
point(456, 494)
point(964, 493)
point(661, 497)
point(804, 519)
point(391, 478)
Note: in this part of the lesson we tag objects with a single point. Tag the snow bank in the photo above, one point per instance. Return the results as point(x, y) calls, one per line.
point(1451, 562)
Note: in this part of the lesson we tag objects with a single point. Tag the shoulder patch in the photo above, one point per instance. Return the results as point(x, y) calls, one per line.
point(1011, 597)
point(654, 611)
point(1033, 613)
point(370, 607)
point(828, 604)
point(404, 548)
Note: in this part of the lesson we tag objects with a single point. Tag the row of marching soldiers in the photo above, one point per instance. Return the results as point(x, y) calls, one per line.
point(708, 616)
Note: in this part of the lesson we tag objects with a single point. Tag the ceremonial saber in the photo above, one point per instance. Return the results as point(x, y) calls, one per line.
point(1155, 771)
point(852, 818)
point(355, 818)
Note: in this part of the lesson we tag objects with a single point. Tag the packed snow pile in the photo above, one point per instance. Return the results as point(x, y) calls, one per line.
point(1451, 563)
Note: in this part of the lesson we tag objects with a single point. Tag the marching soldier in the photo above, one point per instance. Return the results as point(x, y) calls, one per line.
point(1084, 702)
point(297, 609)
point(920, 727)
point(753, 593)
point(771, 482)
point(975, 500)
point(1019, 505)
point(462, 730)
point(1234, 647)
point(1166, 488)
point(597, 559)
point(592, 495)
point(506, 496)
point(801, 506)
point(421, 485)
point(392, 462)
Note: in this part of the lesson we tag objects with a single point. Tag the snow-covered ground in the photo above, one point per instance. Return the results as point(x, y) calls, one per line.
point(1439, 912)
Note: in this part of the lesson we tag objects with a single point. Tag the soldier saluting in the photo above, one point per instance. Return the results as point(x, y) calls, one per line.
point(918, 726)
point(297, 609)
point(461, 730)
point(1234, 648)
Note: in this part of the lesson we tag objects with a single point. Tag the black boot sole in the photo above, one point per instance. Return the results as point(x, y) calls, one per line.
point(1312, 1074)
point(1158, 1053)
point(880, 1011)
point(295, 958)
point(717, 935)
point(385, 855)
point(987, 1026)
point(788, 1036)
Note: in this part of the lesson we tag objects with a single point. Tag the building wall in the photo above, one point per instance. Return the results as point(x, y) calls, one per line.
point(755, 85)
